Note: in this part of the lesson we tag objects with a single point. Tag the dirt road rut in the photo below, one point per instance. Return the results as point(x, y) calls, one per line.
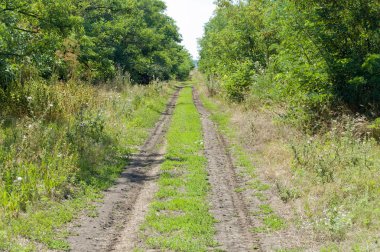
point(227, 206)
point(124, 206)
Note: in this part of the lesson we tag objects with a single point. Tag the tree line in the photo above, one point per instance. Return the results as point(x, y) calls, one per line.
point(314, 55)
point(91, 40)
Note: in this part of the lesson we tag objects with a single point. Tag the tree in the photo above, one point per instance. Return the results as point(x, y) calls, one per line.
point(88, 39)
point(309, 54)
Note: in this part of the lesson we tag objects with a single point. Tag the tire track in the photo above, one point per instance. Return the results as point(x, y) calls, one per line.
point(124, 205)
point(228, 207)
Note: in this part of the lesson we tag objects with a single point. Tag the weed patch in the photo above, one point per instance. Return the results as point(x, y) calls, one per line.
point(55, 163)
point(329, 179)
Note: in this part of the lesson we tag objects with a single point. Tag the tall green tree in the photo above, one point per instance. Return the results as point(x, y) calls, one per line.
point(89, 39)
point(309, 54)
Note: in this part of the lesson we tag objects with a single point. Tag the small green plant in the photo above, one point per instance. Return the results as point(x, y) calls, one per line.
point(271, 222)
point(287, 194)
point(337, 221)
point(374, 128)
point(265, 209)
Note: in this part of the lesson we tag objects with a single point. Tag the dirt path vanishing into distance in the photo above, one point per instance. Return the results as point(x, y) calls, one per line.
point(227, 206)
point(124, 206)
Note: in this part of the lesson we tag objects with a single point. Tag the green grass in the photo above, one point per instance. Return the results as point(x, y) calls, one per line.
point(179, 218)
point(42, 225)
point(271, 222)
point(265, 209)
point(86, 160)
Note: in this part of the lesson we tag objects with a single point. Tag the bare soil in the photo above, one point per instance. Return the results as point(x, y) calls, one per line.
point(124, 206)
point(228, 207)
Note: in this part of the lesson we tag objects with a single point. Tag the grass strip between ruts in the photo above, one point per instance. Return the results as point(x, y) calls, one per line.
point(179, 218)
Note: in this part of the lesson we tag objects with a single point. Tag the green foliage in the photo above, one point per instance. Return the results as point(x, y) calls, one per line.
point(374, 128)
point(89, 39)
point(238, 82)
point(310, 55)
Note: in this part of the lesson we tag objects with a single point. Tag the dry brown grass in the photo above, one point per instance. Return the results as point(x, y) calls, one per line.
point(267, 141)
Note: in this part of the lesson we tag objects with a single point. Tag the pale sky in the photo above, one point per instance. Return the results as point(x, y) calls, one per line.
point(190, 16)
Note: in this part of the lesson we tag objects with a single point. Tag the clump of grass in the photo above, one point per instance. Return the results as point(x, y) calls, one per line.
point(179, 218)
point(287, 193)
point(265, 209)
point(271, 222)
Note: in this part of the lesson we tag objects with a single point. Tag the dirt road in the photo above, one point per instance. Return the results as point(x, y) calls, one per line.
point(125, 205)
point(233, 222)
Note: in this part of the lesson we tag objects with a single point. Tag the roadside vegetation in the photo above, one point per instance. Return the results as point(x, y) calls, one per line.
point(179, 217)
point(300, 83)
point(72, 107)
point(317, 58)
point(52, 169)
point(283, 171)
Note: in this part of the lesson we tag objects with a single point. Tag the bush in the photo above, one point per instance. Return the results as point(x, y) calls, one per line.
point(236, 84)
point(374, 129)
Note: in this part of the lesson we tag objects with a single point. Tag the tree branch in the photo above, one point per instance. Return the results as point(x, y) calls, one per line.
point(11, 54)
point(24, 30)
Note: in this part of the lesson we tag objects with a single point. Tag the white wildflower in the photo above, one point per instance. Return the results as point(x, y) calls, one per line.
point(17, 180)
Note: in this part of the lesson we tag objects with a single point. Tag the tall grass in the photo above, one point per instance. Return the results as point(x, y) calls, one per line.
point(60, 140)
point(338, 175)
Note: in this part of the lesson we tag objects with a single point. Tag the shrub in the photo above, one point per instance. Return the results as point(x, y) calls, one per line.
point(237, 83)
